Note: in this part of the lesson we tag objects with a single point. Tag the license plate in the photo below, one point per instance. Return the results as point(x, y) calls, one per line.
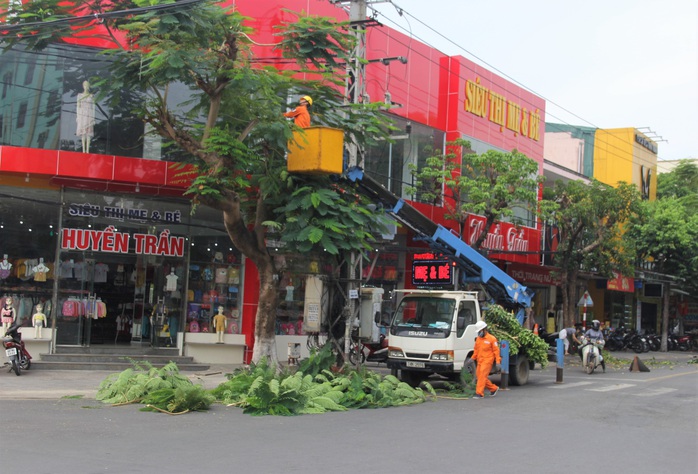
point(12, 351)
point(416, 365)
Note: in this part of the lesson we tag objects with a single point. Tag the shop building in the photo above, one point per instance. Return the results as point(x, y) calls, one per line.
point(107, 215)
point(611, 156)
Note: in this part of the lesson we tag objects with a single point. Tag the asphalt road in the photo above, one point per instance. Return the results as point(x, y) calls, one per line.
point(627, 422)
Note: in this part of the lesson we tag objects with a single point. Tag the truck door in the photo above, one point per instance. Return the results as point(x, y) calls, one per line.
point(466, 333)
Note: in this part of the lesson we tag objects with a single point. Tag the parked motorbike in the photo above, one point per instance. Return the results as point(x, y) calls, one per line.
point(15, 350)
point(591, 355)
point(360, 352)
point(684, 343)
point(654, 341)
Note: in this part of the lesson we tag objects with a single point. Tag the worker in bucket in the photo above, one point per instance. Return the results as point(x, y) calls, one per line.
point(301, 114)
point(486, 354)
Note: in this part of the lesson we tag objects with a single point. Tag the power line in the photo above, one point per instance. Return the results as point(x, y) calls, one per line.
point(402, 12)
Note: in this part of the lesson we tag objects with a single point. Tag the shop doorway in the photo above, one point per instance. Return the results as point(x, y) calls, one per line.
point(113, 299)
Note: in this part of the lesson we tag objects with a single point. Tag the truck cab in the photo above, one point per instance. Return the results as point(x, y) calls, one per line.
point(432, 332)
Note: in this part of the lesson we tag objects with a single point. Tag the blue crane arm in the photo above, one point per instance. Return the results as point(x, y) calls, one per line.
point(474, 267)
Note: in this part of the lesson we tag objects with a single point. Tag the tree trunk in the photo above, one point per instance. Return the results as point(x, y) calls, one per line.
point(253, 246)
point(265, 320)
point(568, 287)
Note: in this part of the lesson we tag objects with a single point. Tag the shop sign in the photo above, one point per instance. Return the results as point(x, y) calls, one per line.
point(499, 110)
point(502, 236)
point(432, 272)
point(647, 143)
point(533, 275)
point(621, 283)
point(120, 213)
point(108, 240)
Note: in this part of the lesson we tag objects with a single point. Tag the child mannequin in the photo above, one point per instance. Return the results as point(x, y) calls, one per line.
point(8, 314)
point(38, 321)
point(220, 322)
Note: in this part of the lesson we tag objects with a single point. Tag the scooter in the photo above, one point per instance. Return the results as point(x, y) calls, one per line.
point(361, 352)
point(20, 359)
point(591, 355)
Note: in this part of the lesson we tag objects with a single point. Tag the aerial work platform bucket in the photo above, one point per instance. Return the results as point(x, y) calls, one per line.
point(316, 150)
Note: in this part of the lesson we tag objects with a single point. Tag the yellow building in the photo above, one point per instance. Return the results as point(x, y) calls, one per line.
point(626, 154)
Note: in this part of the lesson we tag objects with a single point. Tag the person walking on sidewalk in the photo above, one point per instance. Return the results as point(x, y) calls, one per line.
point(486, 354)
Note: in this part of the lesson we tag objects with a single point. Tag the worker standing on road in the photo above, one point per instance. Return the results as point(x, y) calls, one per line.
point(485, 354)
point(301, 115)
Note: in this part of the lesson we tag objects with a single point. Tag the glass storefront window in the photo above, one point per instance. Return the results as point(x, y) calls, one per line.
point(28, 235)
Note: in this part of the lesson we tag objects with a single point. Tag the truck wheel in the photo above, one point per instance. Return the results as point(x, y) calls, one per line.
point(518, 373)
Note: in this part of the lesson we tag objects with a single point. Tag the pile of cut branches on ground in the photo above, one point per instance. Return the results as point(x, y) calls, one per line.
point(314, 388)
point(164, 390)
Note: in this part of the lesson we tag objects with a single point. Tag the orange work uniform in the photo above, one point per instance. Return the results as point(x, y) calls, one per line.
point(485, 354)
point(300, 115)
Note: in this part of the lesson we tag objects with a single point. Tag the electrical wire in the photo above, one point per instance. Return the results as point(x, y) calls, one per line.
point(621, 156)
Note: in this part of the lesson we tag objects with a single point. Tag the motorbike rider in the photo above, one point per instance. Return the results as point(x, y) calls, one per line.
point(595, 335)
point(485, 354)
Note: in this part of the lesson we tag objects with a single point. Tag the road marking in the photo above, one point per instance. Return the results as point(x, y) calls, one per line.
point(571, 385)
point(610, 388)
point(672, 376)
point(655, 392)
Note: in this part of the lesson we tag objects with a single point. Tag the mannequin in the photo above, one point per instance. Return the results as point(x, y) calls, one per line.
point(85, 111)
point(220, 322)
point(5, 267)
point(38, 321)
point(8, 314)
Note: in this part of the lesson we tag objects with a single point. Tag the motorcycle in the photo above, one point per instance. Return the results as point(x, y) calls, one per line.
point(591, 355)
point(360, 352)
point(20, 359)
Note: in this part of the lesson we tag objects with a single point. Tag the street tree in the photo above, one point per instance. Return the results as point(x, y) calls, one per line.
point(230, 127)
point(492, 184)
point(589, 219)
point(680, 183)
point(665, 234)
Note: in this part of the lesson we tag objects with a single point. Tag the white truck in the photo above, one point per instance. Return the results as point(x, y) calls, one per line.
point(432, 331)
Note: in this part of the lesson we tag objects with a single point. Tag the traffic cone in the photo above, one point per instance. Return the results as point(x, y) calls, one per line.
point(638, 366)
point(535, 329)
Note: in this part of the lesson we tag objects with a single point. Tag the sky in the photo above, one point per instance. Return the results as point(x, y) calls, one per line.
point(598, 63)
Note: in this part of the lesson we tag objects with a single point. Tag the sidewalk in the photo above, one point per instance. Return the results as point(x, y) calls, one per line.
point(56, 384)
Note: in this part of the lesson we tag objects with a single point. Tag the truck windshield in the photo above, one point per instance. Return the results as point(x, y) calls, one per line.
point(431, 316)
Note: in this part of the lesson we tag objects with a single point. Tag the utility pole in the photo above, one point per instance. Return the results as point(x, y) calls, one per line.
point(355, 93)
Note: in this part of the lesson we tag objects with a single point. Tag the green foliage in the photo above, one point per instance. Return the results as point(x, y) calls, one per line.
point(135, 384)
point(492, 184)
point(666, 233)
point(181, 399)
point(504, 326)
point(325, 43)
point(590, 219)
point(261, 390)
point(682, 184)
point(333, 219)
